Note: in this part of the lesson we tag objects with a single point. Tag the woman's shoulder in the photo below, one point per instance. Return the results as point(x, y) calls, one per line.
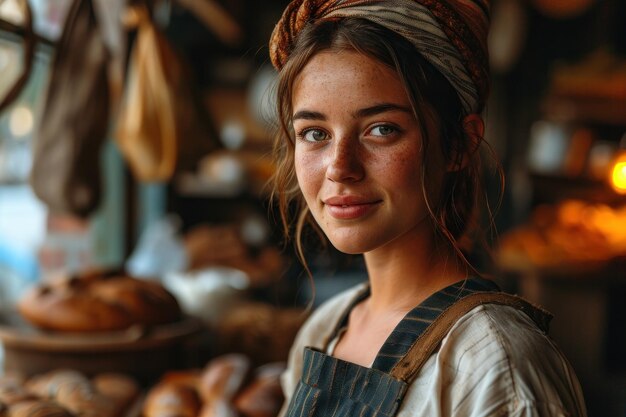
point(495, 357)
point(506, 330)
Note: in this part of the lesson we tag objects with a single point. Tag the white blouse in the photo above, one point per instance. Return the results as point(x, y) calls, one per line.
point(493, 362)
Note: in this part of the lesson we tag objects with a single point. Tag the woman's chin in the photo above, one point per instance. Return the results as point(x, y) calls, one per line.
point(351, 246)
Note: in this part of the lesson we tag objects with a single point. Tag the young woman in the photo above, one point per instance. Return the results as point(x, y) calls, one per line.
point(380, 106)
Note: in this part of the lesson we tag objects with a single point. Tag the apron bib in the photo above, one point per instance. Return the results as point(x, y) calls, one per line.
point(331, 387)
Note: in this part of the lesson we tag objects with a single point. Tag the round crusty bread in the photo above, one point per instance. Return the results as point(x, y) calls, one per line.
point(48, 385)
point(224, 376)
point(145, 301)
point(106, 395)
point(120, 389)
point(218, 409)
point(167, 399)
point(11, 393)
point(98, 302)
point(71, 312)
point(37, 408)
point(263, 397)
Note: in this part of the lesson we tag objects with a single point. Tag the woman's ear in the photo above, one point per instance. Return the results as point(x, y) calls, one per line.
point(474, 130)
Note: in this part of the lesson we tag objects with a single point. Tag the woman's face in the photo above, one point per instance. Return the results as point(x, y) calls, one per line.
point(358, 152)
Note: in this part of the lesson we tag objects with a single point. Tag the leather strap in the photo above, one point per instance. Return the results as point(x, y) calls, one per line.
point(410, 365)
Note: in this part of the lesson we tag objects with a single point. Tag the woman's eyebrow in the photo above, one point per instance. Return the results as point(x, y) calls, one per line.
point(381, 108)
point(365, 112)
point(308, 115)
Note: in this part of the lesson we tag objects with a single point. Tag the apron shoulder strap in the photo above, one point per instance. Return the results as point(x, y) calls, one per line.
point(410, 365)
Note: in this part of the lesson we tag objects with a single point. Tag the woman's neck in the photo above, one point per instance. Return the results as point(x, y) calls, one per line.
point(404, 273)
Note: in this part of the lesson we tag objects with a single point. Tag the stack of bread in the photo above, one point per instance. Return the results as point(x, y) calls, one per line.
point(228, 386)
point(571, 233)
point(67, 393)
point(98, 301)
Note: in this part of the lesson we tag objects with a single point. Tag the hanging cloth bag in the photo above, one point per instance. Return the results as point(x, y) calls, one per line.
point(74, 121)
point(160, 125)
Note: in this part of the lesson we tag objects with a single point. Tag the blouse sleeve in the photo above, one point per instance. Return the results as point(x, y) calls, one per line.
point(517, 369)
point(493, 363)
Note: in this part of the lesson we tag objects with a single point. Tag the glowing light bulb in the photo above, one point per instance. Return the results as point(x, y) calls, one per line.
point(21, 121)
point(618, 175)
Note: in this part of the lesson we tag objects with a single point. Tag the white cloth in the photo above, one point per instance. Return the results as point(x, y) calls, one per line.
point(493, 362)
point(418, 25)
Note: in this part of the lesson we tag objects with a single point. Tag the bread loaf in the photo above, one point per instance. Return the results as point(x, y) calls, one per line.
point(107, 395)
point(37, 408)
point(91, 405)
point(172, 400)
point(223, 377)
point(70, 310)
point(263, 396)
point(83, 400)
point(47, 385)
point(218, 408)
point(145, 302)
point(98, 302)
point(12, 392)
point(226, 387)
point(120, 389)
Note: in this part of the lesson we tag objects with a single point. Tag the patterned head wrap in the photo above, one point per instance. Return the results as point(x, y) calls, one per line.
point(450, 34)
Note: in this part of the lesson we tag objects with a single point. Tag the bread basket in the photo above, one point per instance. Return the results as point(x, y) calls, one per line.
point(142, 352)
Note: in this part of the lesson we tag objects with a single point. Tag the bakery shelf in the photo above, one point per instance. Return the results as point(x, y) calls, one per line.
point(144, 352)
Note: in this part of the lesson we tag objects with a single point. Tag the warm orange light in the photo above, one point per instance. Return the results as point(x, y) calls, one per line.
point(618, 177)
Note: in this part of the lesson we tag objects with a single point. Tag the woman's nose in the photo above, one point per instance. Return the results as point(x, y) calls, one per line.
point(345, 163)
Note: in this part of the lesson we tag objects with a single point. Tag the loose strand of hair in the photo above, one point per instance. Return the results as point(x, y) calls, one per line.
point(302, 220)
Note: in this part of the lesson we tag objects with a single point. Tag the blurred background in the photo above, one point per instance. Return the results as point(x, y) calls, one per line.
point(144, 143)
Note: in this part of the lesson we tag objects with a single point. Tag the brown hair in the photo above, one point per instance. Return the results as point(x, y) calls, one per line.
point(453, 212)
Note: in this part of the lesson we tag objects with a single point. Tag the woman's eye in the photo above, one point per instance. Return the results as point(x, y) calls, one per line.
point(314, 135)
point(382, 130)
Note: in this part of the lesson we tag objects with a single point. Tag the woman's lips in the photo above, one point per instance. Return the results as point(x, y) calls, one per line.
point(347, 208)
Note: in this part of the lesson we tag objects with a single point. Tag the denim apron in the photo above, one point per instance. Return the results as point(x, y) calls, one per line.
point(331, 387)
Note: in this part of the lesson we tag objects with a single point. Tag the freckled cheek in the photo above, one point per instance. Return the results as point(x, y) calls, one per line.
point(403, 179)
point(309, 173)
point(400, 170)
